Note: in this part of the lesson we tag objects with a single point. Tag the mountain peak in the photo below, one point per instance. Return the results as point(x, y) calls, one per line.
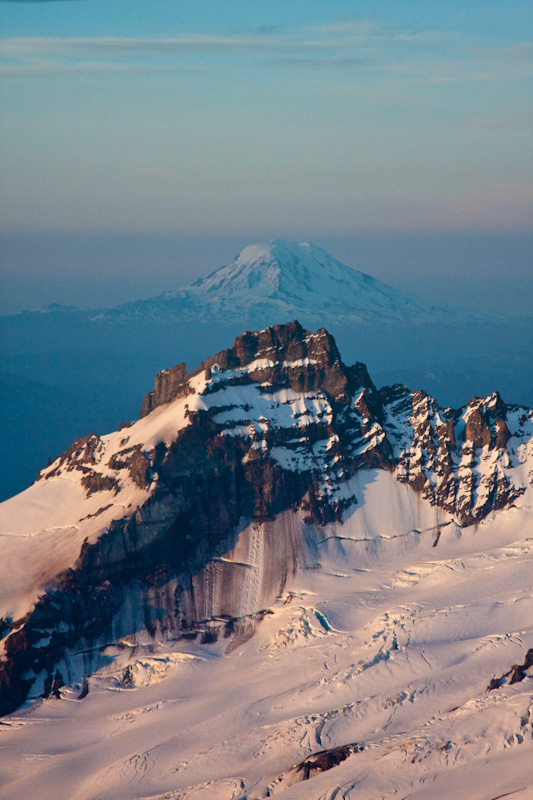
point(310, 358)
point(278, 269)
point(281, 251)
point(272, 457)
point(290, 276)
point(275, 245)
point(271, 281)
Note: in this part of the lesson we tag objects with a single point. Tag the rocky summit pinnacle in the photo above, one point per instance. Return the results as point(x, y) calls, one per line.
point(268, 351)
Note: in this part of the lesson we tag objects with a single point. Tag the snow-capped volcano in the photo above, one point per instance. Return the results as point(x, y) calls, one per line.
point(294, 272)
point(282, 278)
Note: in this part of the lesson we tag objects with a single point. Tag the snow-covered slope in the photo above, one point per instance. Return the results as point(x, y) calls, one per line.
point(278, 580)
point(376, 664)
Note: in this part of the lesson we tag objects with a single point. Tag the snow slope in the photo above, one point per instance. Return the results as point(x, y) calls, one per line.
point(388, 648)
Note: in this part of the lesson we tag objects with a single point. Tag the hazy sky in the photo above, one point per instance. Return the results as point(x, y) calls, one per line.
point(247, 120)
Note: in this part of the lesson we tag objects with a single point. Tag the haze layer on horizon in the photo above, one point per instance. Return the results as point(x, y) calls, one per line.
point(199, 127)
point(482, 273)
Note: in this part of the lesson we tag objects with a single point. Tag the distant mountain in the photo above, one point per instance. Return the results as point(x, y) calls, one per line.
point(280, 279)
point(72, 353)
point(274, 281)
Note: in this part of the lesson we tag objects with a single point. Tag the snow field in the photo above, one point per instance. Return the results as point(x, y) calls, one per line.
point(395, 655)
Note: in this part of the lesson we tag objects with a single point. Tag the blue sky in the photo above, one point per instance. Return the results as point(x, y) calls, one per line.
point(207, 118)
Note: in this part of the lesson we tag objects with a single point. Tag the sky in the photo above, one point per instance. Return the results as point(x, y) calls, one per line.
point(194, 127)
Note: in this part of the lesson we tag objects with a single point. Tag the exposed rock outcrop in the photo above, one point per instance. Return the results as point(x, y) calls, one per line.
point(169, 384)
point(281, 355)
point(459, 460)
point(312, 766)
point(516, 674)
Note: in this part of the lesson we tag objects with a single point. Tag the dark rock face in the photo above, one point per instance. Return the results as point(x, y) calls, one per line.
point(82, 452)
point(325, 760)
point(94, 482)
point(136, 462)
point(169, 383)
point(312, 766)
point(516, 674)
point(229, 478)
point(279, 344)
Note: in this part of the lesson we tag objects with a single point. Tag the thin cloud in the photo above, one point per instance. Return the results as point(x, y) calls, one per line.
point(352, 35)
point(519, 51)
point(456, 69)
point(114, 46)
point(412, 57)
point(44, 68)
point(324, 63)
point(44, 56)
point(496, 122)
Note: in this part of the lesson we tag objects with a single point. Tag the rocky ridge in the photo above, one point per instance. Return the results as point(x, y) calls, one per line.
point(253, 450)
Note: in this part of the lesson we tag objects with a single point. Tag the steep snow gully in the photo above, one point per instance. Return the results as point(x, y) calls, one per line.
point(278, 581)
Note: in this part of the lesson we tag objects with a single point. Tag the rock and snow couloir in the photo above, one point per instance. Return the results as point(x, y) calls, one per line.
point(271, 468)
